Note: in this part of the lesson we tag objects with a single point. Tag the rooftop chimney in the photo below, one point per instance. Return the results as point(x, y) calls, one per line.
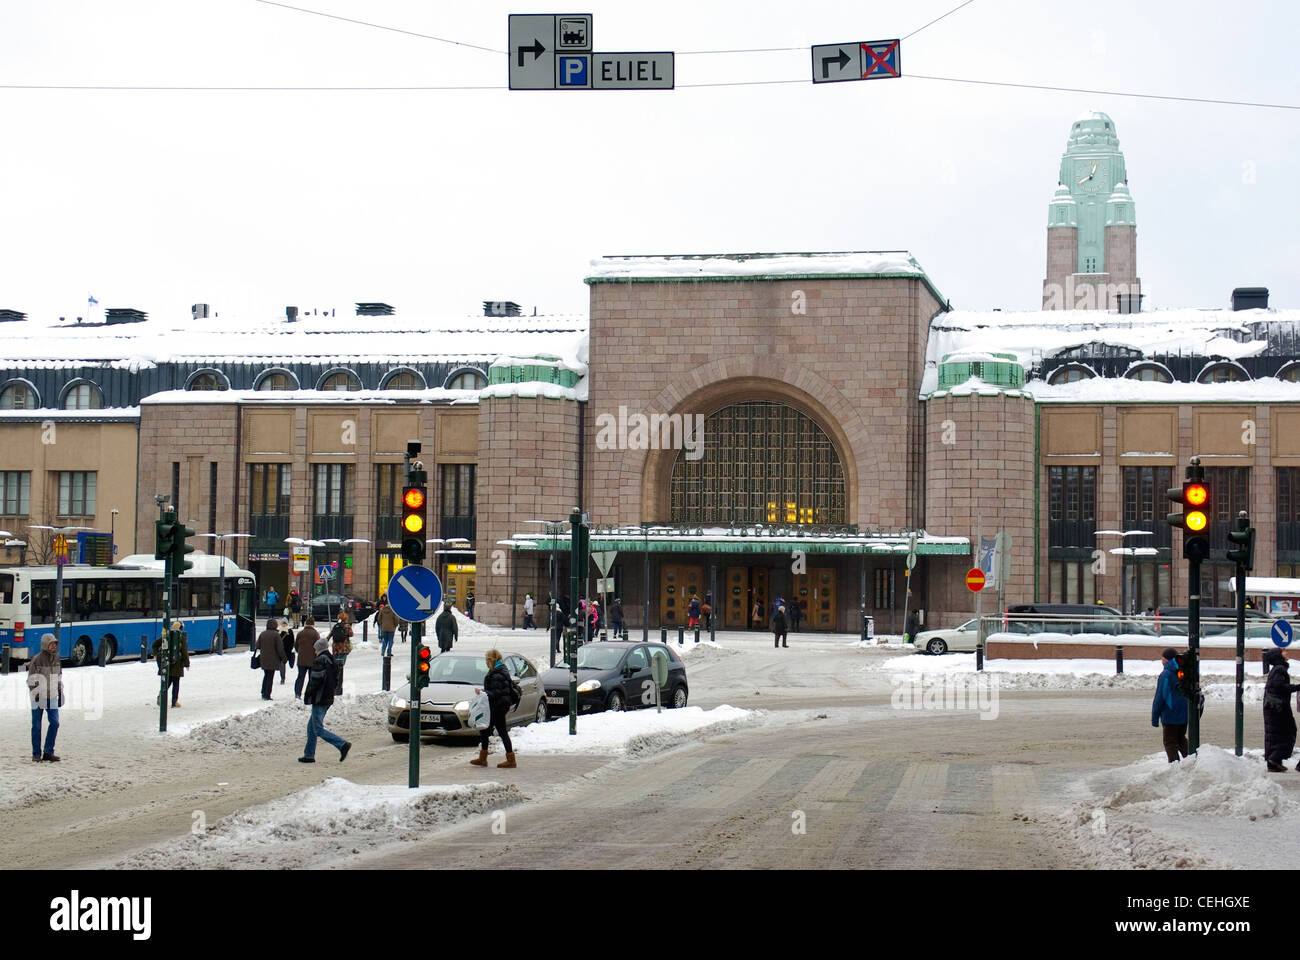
point(124, 315)
point(1250, 298)
point(291, 314)
point(501, 308)
point(1129, 302)
point(199, 311)
point(374, 310)
point(7, 315)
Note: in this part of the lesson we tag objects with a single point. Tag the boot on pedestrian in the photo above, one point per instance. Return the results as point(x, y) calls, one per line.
point(482, 759)
point(509, 761)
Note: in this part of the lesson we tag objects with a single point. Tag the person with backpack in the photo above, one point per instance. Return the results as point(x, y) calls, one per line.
point(1279, 722)
point(320, 695)
point(503, 696)
point(1169, 707)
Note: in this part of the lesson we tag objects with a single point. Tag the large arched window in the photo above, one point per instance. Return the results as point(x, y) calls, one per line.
point(276, 378)
point(207, 379)
point(1223, 372)
point(403, 378)
point(466, 378)
point(18, 395)
point(759, 462)
point(340, 380)
point(1071, 373)
point(82, 395)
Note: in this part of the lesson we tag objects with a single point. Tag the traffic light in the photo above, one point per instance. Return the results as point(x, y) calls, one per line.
point(164, 537)
point(1195, 521)
point(422, 667)
point(1244, 538)
point(413, 512)
point(180, 548)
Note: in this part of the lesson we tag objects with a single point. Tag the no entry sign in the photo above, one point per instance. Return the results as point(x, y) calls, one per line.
point(974, 579)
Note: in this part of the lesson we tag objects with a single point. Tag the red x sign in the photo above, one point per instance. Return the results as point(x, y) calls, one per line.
point(879, 55)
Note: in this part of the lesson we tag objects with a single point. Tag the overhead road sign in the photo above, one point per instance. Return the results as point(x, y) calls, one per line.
point(632, 71)
point(866, 60)
point(535, 41)
point(414, 593)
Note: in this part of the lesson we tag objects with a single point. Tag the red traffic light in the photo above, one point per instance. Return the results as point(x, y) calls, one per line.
point(1195, 494)
point(413, 498)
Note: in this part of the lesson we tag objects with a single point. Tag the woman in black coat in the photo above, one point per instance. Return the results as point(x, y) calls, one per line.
point(503, 694)
point(1279, 722)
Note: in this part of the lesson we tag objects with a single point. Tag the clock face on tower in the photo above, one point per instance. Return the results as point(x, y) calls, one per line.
point(1089, 176)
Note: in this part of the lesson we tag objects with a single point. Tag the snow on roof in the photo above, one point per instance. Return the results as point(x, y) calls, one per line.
point(385, 339)
point(1124, 390)
point(1038, 335)
point(320, 397)
point(729, 265)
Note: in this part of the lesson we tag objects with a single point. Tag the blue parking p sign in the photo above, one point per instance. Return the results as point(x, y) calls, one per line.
point(573, 72)
point(1282, 633)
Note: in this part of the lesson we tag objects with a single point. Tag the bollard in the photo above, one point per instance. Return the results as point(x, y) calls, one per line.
point(144, 657)
point(979, 656)
point(681, 635)
point(697, 633)
point(388, 671)
point(4, 660)
point(1119, 659)
point(604, 635)
point(663, 635)
point(365, 631)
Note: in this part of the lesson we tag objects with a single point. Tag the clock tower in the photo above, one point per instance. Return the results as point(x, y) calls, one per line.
point(1091, 227)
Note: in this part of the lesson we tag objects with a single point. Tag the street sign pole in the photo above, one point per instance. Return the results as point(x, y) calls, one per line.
point(577, 572)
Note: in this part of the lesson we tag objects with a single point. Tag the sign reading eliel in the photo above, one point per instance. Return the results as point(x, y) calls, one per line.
point(869, 60)
point(552, 51)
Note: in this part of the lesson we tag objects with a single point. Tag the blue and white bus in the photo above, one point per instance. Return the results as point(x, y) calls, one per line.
point(112, 611)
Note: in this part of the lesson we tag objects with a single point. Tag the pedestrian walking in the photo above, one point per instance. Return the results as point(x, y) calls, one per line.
point(780, 628)
point(340, 647)
point(469, 605)
point(45, 684)
point(286, 642)
point(295, 608)
point(503, 695)
point(320, 695)
point(386, 620)
point(270, 655)
point(1279, 722)
point(1169, 707)
point(616, 616)
point(178, 662)
point(706, 612)
point(305, 643)
point(272, 599)
point(446, 628)
point(912, 625)
point(756, 616)
point(796, 614)
point(529, 605)
point(693, 612)
point(402, 628)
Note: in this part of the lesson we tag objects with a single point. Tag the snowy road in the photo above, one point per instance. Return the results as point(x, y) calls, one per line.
point(816, 761)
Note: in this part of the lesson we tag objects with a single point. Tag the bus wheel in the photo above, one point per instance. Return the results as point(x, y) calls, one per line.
point(82, 653)
point(111, 652)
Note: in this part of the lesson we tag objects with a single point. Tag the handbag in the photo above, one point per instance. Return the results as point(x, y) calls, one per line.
point(480, 711)
point(253, 660)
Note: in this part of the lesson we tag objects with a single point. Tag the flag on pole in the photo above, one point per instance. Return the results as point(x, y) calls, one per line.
point(91, 299)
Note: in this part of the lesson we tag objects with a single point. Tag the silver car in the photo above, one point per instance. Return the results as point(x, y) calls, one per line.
point(453, 680)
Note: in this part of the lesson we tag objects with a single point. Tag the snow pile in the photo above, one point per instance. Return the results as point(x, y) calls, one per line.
point(464, 625)
point(704, 651)
point(321, 825)
point(631, 733)
point(46, 785)
point(1213, 782)
point(285, 722)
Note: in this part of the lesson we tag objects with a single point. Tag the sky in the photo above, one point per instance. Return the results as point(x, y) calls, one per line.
point(436, 200)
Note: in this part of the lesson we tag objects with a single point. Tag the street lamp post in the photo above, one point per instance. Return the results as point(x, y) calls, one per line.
point(311, 559)
point(112, 536)
point(220, 637)
point(1124, 553)
point(552, 527)
point(58, 578)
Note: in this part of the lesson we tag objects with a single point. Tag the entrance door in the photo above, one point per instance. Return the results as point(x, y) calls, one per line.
point(735, 615)
point(678, 583)
point(458, 584)
point(390, 561)
point(816, 592)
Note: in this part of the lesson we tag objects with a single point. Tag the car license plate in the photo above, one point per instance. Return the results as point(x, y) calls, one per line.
point(427, 721)
point(557, 699)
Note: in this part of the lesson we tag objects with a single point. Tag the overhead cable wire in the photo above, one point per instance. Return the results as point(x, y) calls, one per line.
point(937, 19)
point(379, 26)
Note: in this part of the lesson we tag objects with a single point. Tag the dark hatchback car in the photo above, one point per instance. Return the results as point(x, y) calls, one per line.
point(618, 675)
point(326, 606)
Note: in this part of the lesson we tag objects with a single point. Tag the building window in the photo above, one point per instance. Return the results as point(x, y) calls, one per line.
point(403, 380)
point(1150, 373)
point(466, 379)
point(764, 462)
point(176, 486)
point(1229, 495)
point(269, 497)
point(1222, 373)
point(1290, 372)
point(884, 591)
point(340, 380)
point(77, 493)
point(333, 483)
point(458, 489)
point(1071, 373)
point(18, 395)
point(389, 480)
point(1288, 516)
point(82, 395)
point(1072, 582)
point(276, 380)
point(1072, 507)
point(15, 493)
point(208, 380)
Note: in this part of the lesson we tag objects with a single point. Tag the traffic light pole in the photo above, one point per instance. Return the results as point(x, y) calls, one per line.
point(1194, 654)
point(413, 707)
point(164, 663)
point(1243, 539)
point(576, 574)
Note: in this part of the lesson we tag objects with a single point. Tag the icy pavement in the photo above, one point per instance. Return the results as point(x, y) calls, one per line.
point(631, 732)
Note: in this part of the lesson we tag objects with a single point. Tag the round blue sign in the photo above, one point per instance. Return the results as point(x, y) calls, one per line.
point(1282, 633)
point(414, 593)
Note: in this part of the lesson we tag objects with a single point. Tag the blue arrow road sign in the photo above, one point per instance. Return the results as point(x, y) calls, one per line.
point(414, 593)
point(1282, 633)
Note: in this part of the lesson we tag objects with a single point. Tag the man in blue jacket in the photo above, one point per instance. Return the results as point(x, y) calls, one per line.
point(1170, 708)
